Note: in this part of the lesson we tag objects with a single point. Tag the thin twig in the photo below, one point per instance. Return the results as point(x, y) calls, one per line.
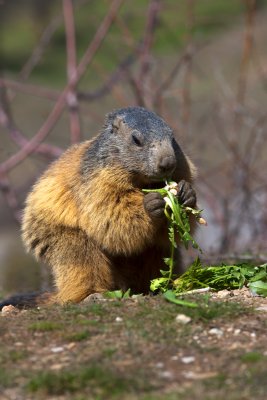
point(73, 105)
point(7, 121)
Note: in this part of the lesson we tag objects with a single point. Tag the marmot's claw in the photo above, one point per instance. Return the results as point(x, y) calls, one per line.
point(154, 205)
point(186, 194)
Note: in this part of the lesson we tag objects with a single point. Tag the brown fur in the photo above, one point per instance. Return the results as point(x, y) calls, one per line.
point(95, 234)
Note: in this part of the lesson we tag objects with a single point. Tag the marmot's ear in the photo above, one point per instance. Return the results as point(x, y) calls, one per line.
point(117, 123)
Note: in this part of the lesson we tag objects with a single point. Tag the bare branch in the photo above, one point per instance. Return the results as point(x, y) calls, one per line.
point(145, 49)
point(51, 120)
point(75, 126)
point(6, 120)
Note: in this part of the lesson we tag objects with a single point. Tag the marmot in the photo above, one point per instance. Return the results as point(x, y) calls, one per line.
point(88, 218)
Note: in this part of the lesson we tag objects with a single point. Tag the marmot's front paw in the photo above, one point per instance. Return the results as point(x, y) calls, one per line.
point(154, 205)
point(186, 194)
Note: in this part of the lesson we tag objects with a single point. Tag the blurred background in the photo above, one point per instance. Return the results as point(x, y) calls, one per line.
point(200, 64)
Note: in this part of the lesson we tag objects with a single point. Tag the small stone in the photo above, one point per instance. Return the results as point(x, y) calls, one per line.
point(58, 349)
point(94, 298)
point(159, 365)
point(56, 367)
point(222, 294)
point(118, 319)
point(9, 310)
point(174, 358)
point(198, 376)
point(70, 345)
point(182, 319)
point(253, 335)
point(216, 332)
point(166, 374)
point(237, 332)
point(262, 308)
point(188, 359)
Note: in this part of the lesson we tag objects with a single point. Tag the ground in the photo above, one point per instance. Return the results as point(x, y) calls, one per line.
point(139, 348)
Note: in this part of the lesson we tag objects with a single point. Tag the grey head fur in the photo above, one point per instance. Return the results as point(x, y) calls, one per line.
point(137, 140)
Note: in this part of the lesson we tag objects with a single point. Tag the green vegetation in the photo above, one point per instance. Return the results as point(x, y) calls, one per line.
point(198, 276)
point(45, 326)
point(177, 216)
point(97, 380)
point(79, 336)
point(6, 377)
point(208, 310)
point(223, 277)
point(252, 357)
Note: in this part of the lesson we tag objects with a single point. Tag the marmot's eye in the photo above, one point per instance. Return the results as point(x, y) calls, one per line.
point(137, 139)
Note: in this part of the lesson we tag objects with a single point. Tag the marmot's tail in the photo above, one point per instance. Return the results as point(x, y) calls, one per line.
point(28, 300)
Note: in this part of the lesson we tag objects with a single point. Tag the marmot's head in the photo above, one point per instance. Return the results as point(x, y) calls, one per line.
point(141, 142)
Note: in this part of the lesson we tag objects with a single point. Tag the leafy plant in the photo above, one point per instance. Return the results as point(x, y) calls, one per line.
point(223, 277)
point(178, 218)
point(199, 276)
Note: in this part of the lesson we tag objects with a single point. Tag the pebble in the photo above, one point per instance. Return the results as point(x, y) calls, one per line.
point(166, 374)
point(261, 308)
point(216, 331)
point(188, 359)
point(237, 332)
point(9, 310)
point(58, 349)
point(118, 319)
point(70, 345)
point(56, 367)
point(18, 344)
point(159, 365)
point(182, 319)
point(223, 294)
point(94, 298)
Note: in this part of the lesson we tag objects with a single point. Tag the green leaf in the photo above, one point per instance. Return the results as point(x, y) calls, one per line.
point(258, 287)
point(118, 294)
point(115, 294)
point(158, 283)
point(170, 296)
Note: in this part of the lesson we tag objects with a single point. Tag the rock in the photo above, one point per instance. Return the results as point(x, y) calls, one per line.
point(199, 376)
point(216, 332)
point(7, 310)
point(58, 349)
point(56, 367)
point(237, 332)
point(188, 359)
point(222, 294)
point(118, 319)
point(262, 308)
point(94, 298)
point(182, 319)
point(70, 345)
point(166, 374)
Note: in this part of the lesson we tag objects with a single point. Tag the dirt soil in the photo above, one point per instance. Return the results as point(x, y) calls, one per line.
point(142, 348)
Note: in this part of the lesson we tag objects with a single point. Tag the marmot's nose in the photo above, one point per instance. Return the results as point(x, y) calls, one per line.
point(167, 164)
